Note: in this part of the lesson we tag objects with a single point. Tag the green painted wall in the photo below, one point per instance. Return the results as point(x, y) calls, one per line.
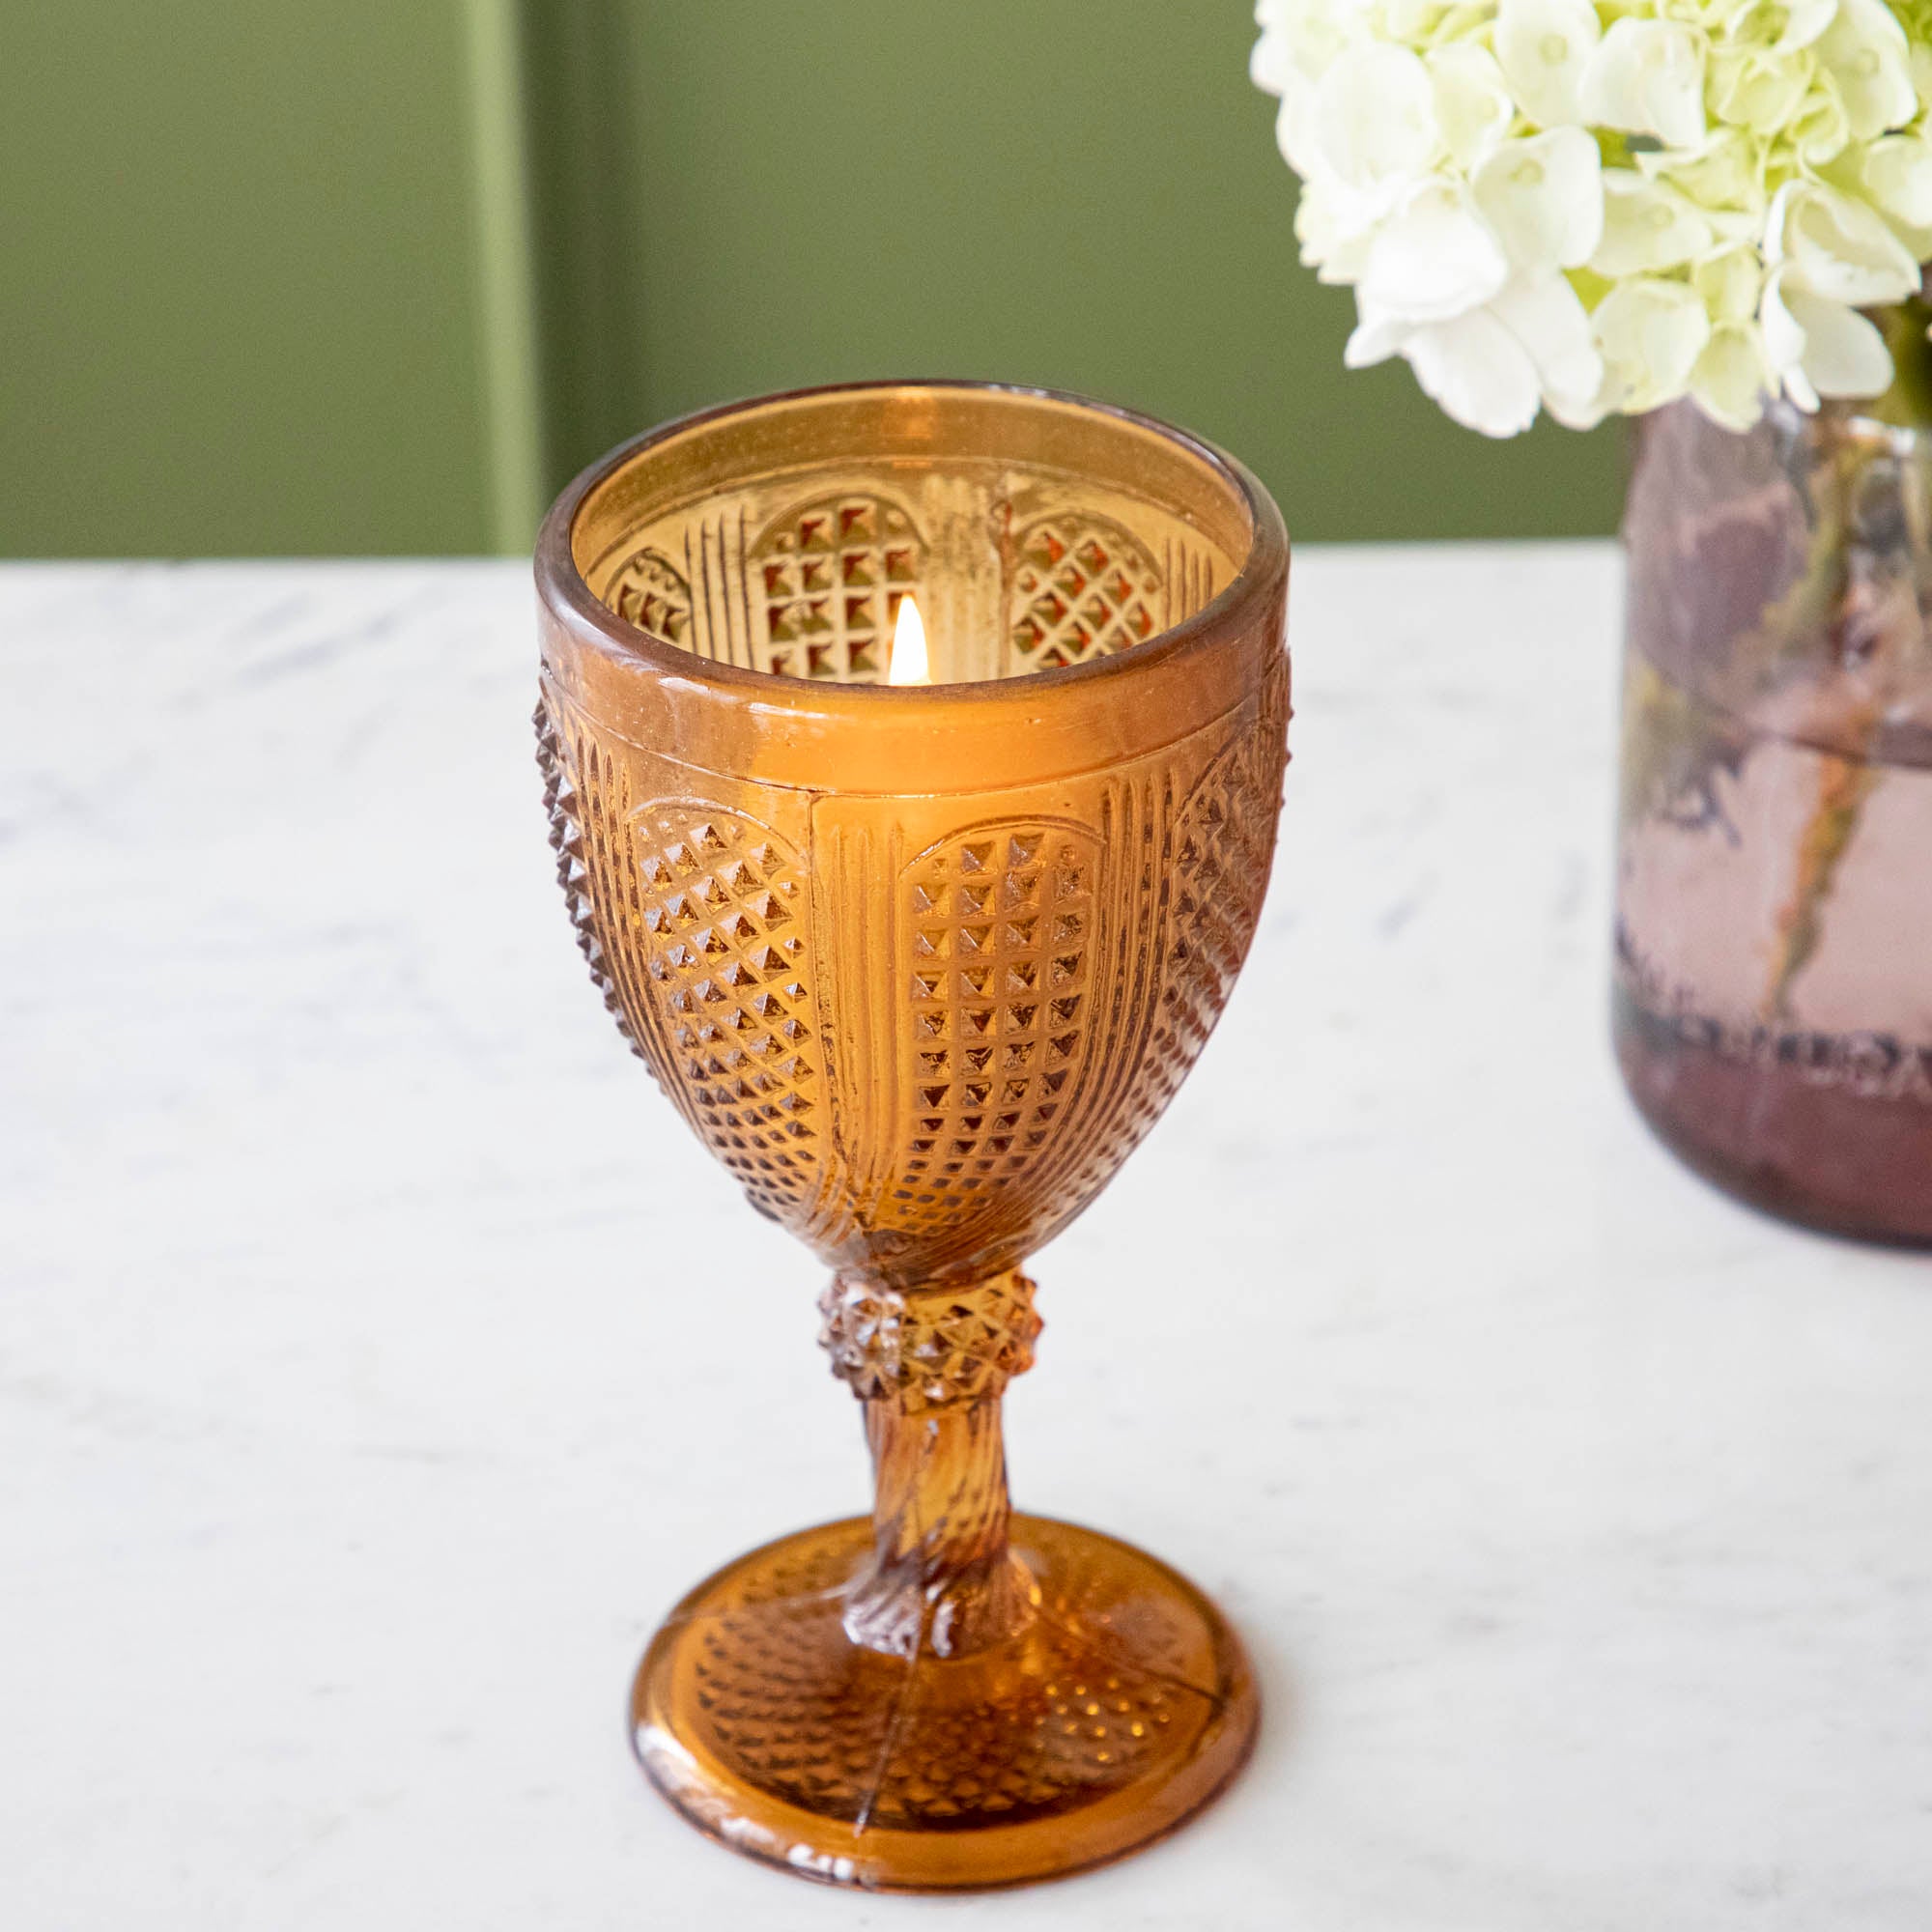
point(237, 281)
point(268, 290)
point(1084, 193)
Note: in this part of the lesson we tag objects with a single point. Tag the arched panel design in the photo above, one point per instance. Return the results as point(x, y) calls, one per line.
point(1082, 587)
point(995, 949)
point(649, 591)
point(727, 954)
point(827, 576)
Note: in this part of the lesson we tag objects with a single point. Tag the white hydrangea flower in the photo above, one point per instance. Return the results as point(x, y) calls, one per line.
point(1648, 225)
point(1819, 346)
point(1896, 178)
point(1543, 197)
point(1647, 77)
point(1592, 206)
point(1545, 48)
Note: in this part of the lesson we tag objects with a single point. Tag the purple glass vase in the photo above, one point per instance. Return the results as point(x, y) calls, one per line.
point(1774, 940)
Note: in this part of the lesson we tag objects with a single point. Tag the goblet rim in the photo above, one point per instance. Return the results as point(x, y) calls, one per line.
point(1231, 612)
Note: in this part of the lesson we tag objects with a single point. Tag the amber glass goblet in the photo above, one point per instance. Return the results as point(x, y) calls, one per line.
point(921, 966)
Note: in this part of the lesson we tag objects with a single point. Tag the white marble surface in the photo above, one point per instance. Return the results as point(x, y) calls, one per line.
point(378, 1358)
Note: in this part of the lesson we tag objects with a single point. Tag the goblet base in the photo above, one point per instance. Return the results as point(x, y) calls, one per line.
point(1120, 1708)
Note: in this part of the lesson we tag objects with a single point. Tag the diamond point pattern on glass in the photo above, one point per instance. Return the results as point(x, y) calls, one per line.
point(566, 838)
point(728, 960)
point(649, 592)
point(1090, 1713)
point(932, 1350)
point(921, 967)
point(998, 921)
point(831, 574)
point(1085, 588)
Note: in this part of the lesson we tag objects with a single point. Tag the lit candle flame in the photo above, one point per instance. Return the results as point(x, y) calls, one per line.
point(909, 663)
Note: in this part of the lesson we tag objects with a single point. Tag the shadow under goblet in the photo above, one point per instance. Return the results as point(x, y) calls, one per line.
point(921, 966)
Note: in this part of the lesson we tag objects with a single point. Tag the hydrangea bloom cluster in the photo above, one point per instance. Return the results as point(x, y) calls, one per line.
point(1598, 206)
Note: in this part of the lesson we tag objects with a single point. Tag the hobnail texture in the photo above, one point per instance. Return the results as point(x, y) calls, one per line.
point(921, 967)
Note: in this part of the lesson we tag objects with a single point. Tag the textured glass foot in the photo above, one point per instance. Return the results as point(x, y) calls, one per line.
point(1121, 1705)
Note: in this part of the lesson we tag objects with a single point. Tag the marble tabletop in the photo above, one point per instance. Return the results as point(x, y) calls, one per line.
point(378, 1359)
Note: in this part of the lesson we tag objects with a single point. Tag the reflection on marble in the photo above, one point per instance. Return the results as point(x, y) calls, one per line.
point(358, 1295)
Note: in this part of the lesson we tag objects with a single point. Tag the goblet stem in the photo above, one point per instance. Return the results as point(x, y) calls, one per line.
point(941, 1578)
point(930, 1365)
